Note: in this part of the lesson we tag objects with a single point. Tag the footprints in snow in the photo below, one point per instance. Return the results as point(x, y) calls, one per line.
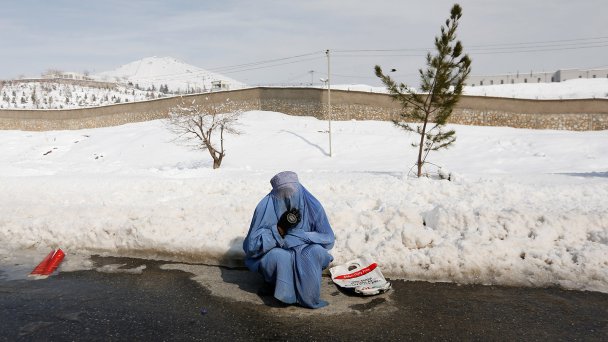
point(49, 151)
point(95, 155)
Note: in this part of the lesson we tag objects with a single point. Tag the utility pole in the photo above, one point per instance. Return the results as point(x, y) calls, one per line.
point(329, 98)
point(312, 77)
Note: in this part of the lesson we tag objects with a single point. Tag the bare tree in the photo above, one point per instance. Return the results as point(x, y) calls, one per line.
point(52, 73)
point(201, 124)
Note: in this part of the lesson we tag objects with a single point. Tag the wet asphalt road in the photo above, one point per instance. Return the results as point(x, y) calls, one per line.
point(164, 305)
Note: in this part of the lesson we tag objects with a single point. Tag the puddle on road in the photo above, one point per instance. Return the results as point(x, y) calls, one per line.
point(120, 268)
point(244, 286)
point(234, 284)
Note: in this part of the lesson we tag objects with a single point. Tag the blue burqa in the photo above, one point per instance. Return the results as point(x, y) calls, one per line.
point(292, 263)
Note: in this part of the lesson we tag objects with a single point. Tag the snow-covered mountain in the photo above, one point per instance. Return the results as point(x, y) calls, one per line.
point(166, 71)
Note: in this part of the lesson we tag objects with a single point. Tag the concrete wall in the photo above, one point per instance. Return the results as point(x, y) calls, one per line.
point(584, 114)
point(578, 115)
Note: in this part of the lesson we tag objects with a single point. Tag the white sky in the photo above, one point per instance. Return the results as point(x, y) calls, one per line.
point(102, 35)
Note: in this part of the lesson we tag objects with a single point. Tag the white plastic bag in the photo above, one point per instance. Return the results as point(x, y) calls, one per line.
point(361, 275)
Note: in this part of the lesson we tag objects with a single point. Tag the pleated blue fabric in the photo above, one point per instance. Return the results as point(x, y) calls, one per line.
point(292, 263)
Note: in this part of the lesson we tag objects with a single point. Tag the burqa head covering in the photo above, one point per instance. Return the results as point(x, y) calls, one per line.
point(283, 179)
point(284, 184)
point(287, 192)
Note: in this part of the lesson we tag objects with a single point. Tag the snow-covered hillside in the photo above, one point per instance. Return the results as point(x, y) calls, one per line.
point(47, 94)
point(158, 71)
point(146, 79)
point(524, 207)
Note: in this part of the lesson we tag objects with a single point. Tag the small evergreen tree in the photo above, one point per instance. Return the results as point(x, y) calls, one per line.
point(34, 97)
point(441, 85)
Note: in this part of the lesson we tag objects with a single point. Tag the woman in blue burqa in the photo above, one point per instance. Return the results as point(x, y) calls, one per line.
point(288, 242)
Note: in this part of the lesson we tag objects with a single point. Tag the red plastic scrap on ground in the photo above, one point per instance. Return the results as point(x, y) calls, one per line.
point(42, 265)
point(49, 264)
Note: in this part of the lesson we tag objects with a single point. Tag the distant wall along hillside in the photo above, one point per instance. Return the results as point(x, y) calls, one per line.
point(580, 115)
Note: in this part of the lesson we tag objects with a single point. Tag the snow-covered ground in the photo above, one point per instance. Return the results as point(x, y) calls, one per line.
point(596, 88)
point(524, 208)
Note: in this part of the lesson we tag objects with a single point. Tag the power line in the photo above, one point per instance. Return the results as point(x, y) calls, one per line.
point(481, 49)
point(265, 61)
point(371, 77)
point(273, 65)
point(238, 67)
point(539, 50)
point(488, 51)
point(542, 42)
point(566, 45)
point(383, 55)
point(568, 42)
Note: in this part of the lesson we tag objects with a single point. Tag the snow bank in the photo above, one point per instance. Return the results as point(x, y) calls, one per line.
point(526, 208)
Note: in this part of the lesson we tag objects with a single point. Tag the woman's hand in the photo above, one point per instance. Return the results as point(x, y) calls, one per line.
point(282, 231)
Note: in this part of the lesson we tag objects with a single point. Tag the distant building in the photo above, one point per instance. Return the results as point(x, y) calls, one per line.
point(65, 75)
point(537, 77)
point(220, 85)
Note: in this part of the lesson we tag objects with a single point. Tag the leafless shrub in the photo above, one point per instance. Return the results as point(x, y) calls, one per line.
point(200, 124)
